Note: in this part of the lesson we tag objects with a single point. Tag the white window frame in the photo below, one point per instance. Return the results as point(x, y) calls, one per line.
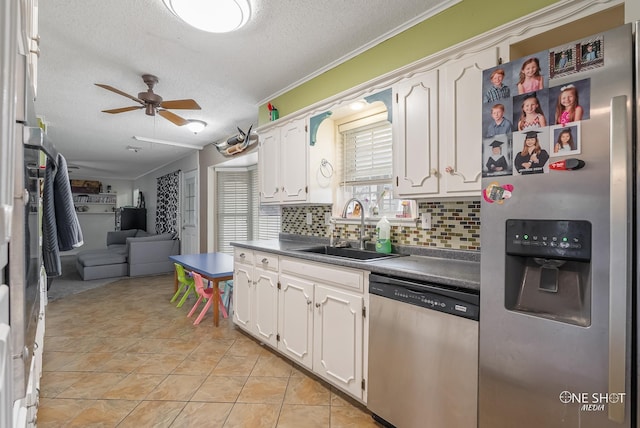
point(254, 223)
point(369, 189)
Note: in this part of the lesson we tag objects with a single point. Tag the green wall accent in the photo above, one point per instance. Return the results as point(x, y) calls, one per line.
point(463, 21)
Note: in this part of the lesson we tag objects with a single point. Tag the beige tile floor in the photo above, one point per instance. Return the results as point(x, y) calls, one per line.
point(122, 356)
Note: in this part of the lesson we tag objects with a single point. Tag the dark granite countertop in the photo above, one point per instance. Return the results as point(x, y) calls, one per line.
point(451, 268)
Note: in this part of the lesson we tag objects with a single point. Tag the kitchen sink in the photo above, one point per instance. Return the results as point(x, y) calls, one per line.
point(348, 253)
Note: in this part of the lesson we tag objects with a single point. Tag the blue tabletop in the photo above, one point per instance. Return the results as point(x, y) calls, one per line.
point(212, 265)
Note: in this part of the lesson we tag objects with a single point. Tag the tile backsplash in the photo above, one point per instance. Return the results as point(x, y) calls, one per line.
point(454, 225)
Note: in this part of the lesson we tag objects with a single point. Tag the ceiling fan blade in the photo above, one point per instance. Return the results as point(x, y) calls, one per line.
point(119, 92)
point(122, 110)
point(180, 104)
point(172, 117)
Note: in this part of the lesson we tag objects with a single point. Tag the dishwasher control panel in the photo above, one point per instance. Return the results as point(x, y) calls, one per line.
point(428, 299)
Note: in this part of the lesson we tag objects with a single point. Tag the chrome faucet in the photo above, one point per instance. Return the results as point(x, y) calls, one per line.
point(344, 215)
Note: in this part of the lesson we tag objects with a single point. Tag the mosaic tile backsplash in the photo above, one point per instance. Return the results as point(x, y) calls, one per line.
point(454, 225)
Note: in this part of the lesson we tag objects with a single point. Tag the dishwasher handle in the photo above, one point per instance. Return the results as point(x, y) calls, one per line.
point(428, 300)
point(468, 296)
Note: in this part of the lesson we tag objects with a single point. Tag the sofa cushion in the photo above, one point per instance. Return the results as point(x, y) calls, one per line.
point(120, 236)
point(119, 249)
point(100, 259)
point(160, 237)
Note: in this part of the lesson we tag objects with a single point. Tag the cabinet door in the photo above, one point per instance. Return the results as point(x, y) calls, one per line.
point(293, 162)
point(242, 285)
point(269, 166)
point(295, 319)
point(265, 296)
point(415, 135)
point(337, 338)
point(461, 124)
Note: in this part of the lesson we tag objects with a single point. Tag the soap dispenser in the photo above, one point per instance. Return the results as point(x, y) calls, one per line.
point(383, 236)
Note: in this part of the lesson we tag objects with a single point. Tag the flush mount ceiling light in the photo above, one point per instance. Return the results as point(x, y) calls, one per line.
point(220, 16)
point(196, 125)
point(134, 149)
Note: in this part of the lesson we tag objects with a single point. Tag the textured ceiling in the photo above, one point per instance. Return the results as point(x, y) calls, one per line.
point(114, 42)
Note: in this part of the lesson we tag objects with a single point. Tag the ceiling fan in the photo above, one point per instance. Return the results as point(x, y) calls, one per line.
point(152, 102)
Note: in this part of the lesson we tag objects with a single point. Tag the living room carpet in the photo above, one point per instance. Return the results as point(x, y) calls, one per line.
point(70, 282)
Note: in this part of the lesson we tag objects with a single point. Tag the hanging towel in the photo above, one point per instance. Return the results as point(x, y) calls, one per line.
point(60, 227)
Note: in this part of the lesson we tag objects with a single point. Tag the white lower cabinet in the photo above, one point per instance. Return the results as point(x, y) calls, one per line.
point(337, 338)
point(313, 313)
point(295, 319)
point(266, 305)
point(256, 280)
point(242, 287)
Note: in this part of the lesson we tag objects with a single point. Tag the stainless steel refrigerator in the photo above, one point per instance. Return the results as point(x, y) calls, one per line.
point(559, 291)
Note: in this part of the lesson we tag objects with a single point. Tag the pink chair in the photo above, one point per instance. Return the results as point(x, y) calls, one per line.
point(206, 294)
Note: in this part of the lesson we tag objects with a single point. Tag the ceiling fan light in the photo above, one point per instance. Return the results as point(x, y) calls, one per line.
point(150, 110)
point(219, 16)
point(195, 125)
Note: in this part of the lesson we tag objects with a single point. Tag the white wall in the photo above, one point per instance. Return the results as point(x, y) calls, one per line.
point(148, 184)
point(95, 226)
point(123, 188)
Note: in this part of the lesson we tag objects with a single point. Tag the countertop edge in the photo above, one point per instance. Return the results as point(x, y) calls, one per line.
point(445, 271)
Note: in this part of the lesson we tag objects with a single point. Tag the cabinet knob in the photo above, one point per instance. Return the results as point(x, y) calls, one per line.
point(277, 189)
point(35, 51)
point(242, 256)
point(265, 261)
point(433, 171)
point(317, 305)
point(449, 170)
point(309, 302)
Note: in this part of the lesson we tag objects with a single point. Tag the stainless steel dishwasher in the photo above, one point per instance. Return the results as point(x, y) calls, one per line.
point(423, 354)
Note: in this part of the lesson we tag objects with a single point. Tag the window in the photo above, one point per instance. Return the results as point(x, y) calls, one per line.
point(189, 195)
point(238, 213)
point(367, 167)
point(367, 153)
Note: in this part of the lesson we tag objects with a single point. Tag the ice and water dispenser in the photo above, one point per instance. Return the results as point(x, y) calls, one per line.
point(547, 269)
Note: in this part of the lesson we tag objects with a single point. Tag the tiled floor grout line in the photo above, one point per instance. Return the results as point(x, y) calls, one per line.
point(127, 332)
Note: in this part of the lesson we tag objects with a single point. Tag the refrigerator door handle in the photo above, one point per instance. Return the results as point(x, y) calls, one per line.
point(620, 235)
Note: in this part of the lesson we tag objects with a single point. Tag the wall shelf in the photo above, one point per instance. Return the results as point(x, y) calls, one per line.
point(102, 198)
point(101, 203)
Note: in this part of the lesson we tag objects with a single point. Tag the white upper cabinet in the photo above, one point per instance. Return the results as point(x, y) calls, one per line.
point(438, 129)
point(461, 122)
point(282, 163)
point(269, 165)
point(289, 167)
point(415, 135)
point(293, 162)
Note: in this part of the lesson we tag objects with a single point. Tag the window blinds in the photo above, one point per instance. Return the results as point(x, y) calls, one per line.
point(233, 216)
point(367, 153)
point(267, 225)
point(239, 217)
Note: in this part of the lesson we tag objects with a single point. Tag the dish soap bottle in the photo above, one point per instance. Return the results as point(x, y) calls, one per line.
point(383, 236)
